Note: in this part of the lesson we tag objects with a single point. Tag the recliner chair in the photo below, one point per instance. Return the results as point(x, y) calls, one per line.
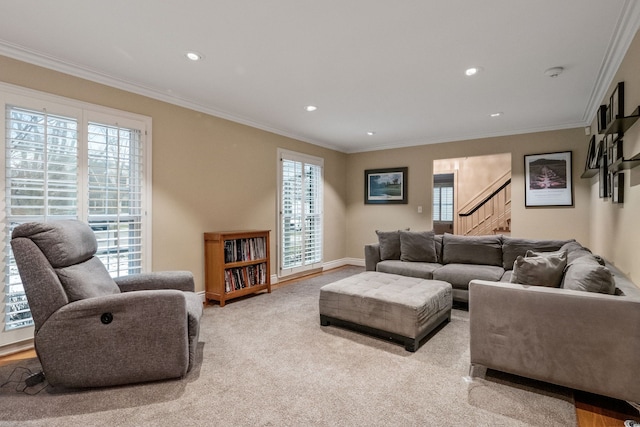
point(92, 330)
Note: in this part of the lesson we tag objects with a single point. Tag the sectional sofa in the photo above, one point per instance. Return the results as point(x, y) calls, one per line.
point(543, 309)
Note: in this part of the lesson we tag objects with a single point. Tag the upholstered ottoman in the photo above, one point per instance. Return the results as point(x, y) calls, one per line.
point(401, 308)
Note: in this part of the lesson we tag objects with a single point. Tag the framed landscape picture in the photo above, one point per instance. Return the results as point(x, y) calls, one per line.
point(548, 179)
point(385, 186)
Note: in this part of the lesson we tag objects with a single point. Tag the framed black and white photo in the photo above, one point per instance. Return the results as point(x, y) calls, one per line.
point(385, 186)
point(616, 102)
point(592, 160)
point(602, 118)
point(548, 179)
point(617, 188)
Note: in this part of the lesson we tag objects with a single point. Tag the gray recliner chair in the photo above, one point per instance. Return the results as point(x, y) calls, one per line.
point(92, 330)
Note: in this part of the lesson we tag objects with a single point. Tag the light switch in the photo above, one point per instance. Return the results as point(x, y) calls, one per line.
point(419, 209)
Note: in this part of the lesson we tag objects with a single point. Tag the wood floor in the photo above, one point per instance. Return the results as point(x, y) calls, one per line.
point(591, 410)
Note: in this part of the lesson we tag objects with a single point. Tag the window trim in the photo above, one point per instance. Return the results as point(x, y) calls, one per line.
point(83, 112)
point(308, 159)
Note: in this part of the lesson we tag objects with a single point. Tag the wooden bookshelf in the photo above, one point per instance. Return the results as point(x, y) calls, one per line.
point(237, 263)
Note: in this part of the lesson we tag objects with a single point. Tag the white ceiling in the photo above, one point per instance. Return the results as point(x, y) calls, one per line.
point(392, 67)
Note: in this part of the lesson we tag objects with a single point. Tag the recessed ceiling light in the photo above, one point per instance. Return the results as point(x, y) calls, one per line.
point(472, 71)
point(371, 133)
point(310, 108)
point(194, 56)
point(498, 114)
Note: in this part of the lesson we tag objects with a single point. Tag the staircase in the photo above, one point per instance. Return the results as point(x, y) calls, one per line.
point(489, 212)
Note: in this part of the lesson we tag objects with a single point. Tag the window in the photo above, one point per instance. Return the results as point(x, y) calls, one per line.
point(443, 197)
point(300, 206)
point(69, 160)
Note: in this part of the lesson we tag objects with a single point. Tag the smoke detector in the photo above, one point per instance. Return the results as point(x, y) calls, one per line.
point(554, 72)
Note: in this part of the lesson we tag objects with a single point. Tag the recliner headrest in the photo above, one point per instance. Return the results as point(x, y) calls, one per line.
point(64, 242)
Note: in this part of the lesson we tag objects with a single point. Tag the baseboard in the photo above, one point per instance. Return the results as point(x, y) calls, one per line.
point(16, 347)
point(330, 265)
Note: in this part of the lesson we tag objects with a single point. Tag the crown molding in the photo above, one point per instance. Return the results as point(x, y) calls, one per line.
point(623, 35)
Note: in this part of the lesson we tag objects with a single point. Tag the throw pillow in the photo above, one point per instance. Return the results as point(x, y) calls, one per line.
point(417, 246)
point(541, 270)
point(586, 274)
point(87, 280)
point(389, 244)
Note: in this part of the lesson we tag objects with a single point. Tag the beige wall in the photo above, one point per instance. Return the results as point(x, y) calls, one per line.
point(615, 231)
point(208, 173)
point(566, 222)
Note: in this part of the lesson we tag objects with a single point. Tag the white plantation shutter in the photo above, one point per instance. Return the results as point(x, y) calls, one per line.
point(41, 176)
point(64, 159)
point(115, 196)
point(301, 215)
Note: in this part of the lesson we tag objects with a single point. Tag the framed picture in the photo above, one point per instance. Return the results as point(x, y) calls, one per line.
point(548, 179)
point(616, 102)
point(617, 188)
point(603, 176)
point(602, 118)
point(591, 154)
point(385, 186)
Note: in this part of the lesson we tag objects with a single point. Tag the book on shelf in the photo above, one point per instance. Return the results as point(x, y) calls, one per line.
point(239, 250)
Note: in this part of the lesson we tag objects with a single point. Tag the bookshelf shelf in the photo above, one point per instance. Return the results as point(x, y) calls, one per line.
point(237, 263)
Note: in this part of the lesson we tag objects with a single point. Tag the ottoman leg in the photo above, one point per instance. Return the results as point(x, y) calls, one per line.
point(324, 320)
point(412, 345)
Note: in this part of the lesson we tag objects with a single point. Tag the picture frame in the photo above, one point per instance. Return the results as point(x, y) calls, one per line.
point(602, 118)
point(616, 102)
point(603, 176)
point(617, 188)
point(548, 179)
point(386, 186)
point(591, 159)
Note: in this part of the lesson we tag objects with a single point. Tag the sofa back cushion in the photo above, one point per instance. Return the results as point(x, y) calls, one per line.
point(513, 247)
point(587, 274)
point(484, 250)
point(417, 246)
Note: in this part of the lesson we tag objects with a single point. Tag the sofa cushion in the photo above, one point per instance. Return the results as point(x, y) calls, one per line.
point(417, 246)
point(586, 274)
point(459, 275)
point(389, 244)
point(423, 270)
point(513, 247)
point(483, 250)
point(543, 269)
point(89, 279)
point(438, 241)
point(574, 251)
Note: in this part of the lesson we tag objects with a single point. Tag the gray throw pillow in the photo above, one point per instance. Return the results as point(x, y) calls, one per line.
point(417, 246)
point(541, 270)
point(89, 279)
point(586, 274)
point(513, 247)
point(389, 244)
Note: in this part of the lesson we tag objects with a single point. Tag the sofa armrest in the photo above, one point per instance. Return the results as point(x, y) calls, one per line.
point(581, 340)
point(371, 256)
point(116, 339)
point(180, 280)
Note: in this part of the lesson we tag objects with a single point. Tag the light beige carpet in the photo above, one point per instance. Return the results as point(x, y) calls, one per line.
point(266, 361)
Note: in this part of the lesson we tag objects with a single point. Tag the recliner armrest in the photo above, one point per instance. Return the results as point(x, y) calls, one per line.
point(180, 280)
